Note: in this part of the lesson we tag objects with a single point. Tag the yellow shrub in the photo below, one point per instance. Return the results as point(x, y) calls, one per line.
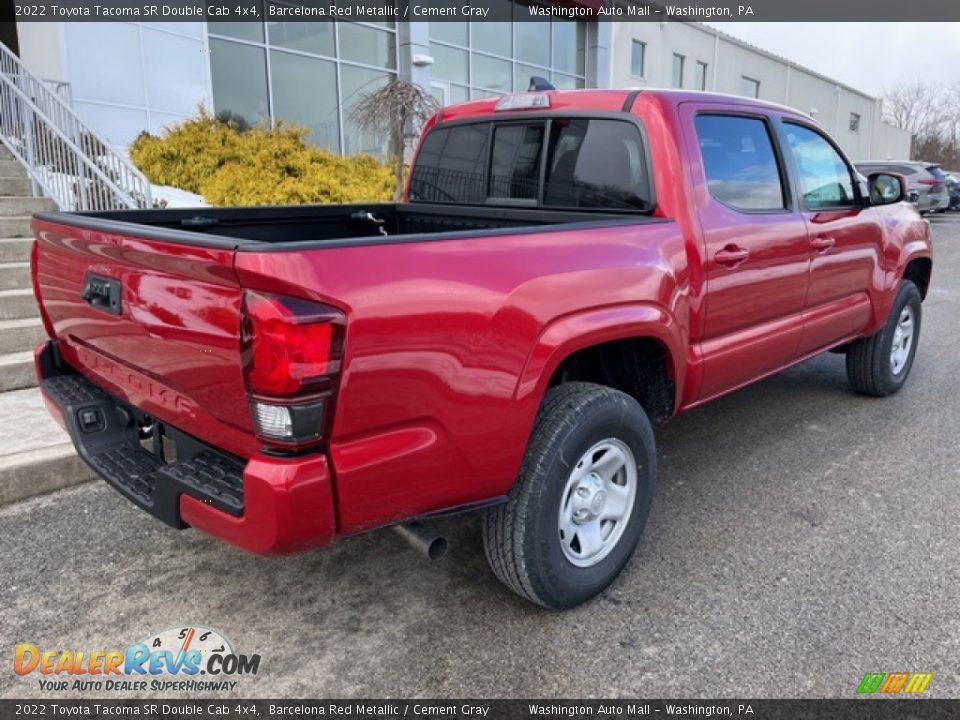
point(260, 166)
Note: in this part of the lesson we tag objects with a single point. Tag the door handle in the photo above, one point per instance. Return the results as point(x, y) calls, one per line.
point(732, 255)
point(822, 243)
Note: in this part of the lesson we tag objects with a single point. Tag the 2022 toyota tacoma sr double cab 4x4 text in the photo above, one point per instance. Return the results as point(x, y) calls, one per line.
point(567, 271)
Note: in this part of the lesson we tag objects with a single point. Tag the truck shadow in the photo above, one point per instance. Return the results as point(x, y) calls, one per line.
point(702, 447)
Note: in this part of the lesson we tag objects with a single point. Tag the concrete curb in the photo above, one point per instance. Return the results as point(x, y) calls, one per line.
point(37, 472)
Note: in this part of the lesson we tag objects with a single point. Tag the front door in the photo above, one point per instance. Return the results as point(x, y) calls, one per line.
point(756, 251)
point(845, 235)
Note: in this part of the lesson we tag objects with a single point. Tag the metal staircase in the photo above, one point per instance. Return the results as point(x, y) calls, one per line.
point(64, 159)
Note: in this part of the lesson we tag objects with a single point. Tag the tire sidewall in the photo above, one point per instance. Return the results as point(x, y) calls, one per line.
point(558, 582)
point(907, 295)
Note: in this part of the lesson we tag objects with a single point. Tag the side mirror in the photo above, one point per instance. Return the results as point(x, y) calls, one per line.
point(887, 188)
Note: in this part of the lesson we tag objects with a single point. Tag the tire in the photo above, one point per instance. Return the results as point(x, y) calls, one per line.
point(522, 538)
point(871, 366)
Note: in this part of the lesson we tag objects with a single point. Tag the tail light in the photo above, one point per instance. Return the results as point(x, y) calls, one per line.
point(292, 350)
point(928, 181)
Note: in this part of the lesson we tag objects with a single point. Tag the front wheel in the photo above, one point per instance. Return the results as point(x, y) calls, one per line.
point(879, 365)
point(581, 499)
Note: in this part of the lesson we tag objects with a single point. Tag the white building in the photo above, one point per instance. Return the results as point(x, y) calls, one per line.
point(127, 77)
point(698, 57)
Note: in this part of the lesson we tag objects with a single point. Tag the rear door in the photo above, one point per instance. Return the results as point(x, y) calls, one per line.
point(756, 253)
point(846, 238)
point(155, 323)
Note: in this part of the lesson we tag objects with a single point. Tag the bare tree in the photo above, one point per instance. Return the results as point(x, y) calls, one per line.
point(395, 109)
point(914, 107)
point(931, 113)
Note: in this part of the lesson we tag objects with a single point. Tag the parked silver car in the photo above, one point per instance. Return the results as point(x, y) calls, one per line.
point(928, 184)
point(953, 188)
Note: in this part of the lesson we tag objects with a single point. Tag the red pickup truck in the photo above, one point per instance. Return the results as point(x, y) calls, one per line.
point(567, 271)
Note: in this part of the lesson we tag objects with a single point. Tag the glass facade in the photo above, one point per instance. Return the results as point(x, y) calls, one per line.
point(312, 73)
point(309, 73)
point(476, 60)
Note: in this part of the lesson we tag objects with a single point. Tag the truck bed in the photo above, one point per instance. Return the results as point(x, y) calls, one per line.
point(306, 226)
point(441, 312)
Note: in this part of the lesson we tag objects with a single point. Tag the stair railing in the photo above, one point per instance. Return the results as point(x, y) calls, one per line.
point(64, 158)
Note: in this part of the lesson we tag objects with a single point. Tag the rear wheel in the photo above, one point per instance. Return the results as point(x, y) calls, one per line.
point(879, 365)
point(581, 499)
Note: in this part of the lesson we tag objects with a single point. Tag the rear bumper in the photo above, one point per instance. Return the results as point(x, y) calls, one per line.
point(266, 505)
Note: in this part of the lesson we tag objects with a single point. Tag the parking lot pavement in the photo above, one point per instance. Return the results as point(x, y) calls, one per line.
point(801, 536)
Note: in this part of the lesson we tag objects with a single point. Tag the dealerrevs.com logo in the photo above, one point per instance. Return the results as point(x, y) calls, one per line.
point(188, 658)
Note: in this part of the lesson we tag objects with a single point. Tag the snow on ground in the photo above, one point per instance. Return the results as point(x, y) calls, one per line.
point(61, 187)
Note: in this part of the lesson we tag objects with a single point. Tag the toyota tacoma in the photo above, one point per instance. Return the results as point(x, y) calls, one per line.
point(567, 270)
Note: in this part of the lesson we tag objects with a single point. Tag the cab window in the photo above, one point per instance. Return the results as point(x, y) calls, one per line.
point(740, 163)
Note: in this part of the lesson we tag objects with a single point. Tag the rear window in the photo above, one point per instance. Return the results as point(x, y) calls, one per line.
point(451, 165)
point(596, 164)
point(515, 167)
point(936, 172)
point(590, 163)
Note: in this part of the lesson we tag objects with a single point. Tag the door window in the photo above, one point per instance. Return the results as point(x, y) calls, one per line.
point(824, 177)
point(739, 161)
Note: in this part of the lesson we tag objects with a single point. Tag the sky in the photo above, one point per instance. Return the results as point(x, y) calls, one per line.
point(867, 56)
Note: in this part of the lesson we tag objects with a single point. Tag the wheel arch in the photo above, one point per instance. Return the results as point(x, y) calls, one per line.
point(918, 270)
point(598, 346)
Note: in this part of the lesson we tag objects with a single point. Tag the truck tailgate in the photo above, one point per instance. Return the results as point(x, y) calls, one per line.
point(156, 323)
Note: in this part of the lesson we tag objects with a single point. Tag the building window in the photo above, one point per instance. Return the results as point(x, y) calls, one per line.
point(638, 56)
point(749, 87)
point(308, 74)
point(677, 80)
point(854, 122)
point(700, 78)
point(482, 59)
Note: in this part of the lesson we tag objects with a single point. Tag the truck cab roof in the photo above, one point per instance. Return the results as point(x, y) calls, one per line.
point(607, 100)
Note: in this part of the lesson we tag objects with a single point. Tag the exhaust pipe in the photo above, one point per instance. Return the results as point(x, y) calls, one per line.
point(424, 539)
